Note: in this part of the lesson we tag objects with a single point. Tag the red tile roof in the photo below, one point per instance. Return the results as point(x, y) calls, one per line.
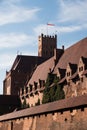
point(62, 80)
point(42, 71)
point(26, 63)
point(70, 55)
point(84, 72)
point(74, 75)
point(73, 54)
point(64, 104)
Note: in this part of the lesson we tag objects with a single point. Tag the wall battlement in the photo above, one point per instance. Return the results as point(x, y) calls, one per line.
point(67, 114)
point(48, 36)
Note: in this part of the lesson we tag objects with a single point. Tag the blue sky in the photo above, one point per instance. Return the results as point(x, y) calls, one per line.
point(21, 21)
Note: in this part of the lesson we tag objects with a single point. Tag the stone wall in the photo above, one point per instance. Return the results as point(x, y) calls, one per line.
point(64, 120)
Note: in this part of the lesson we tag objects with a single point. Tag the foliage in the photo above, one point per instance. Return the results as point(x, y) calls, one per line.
point(53, 91)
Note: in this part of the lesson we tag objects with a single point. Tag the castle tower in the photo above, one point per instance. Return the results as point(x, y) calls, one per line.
point(46, 45)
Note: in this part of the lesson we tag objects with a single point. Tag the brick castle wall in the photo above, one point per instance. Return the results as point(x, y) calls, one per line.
point(64, 120)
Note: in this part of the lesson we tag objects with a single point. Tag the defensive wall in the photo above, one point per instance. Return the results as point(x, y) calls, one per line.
point(66, 114)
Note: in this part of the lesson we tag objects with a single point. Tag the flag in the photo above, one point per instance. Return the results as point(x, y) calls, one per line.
point(49, 24)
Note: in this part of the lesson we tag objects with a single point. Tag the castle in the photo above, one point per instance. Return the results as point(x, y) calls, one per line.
point(27, 77)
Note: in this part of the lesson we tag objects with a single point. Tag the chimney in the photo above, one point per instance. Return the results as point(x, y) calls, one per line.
point(55, 56)
point(62, 47)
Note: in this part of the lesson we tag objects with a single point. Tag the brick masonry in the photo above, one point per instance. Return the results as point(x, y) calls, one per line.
point(65, 120)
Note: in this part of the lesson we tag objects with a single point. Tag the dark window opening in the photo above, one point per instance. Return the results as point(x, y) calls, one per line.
point(26, 89)
point(80, 68)
point(65, 119)
point(68, 74)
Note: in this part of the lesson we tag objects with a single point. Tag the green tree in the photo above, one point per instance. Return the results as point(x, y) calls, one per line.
point(53, 91)
point(59, 93)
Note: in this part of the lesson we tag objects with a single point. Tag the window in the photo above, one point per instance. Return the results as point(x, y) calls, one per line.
point(68, 74)
point(82, 79)
point(80, 68)
point(68, 83)
point(30, 88)
point(35, 84)
point(26, 89)
point(22, 91)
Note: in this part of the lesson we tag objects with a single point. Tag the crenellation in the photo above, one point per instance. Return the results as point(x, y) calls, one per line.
point(67, 120)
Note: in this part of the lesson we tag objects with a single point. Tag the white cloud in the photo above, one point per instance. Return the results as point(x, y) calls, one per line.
point(11, 13)
point(73, 11)
point(66, 29)
point(14, 40)
point(6, 60)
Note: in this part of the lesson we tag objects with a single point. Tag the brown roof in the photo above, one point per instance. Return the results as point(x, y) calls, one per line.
point(42, 71)
point(84, 60)
point(84, 72)
point(73, 67)
point(47, 108)
point(26, 63)
point(62, 80)
point(74, 75)
point(62, 72)
point(73, 54)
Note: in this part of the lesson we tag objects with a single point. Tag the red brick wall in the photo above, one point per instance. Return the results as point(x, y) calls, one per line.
point(67, 120)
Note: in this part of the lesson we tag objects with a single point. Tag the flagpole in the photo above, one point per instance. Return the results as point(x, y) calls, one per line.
point(49, 24)
point(47, 28)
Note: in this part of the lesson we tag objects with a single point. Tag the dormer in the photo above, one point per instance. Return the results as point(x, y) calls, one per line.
point(61, 73)
point(41, 83)
point(35, 85)
point(30, 87)
point(70, 70)
point(81, 65)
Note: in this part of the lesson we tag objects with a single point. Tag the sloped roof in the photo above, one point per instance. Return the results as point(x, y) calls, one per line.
point(84, 72)
point(73, 54)
point(64, 104)
point(42, 70)
point(74, 75)
point(62, 72)
point(25, 63)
